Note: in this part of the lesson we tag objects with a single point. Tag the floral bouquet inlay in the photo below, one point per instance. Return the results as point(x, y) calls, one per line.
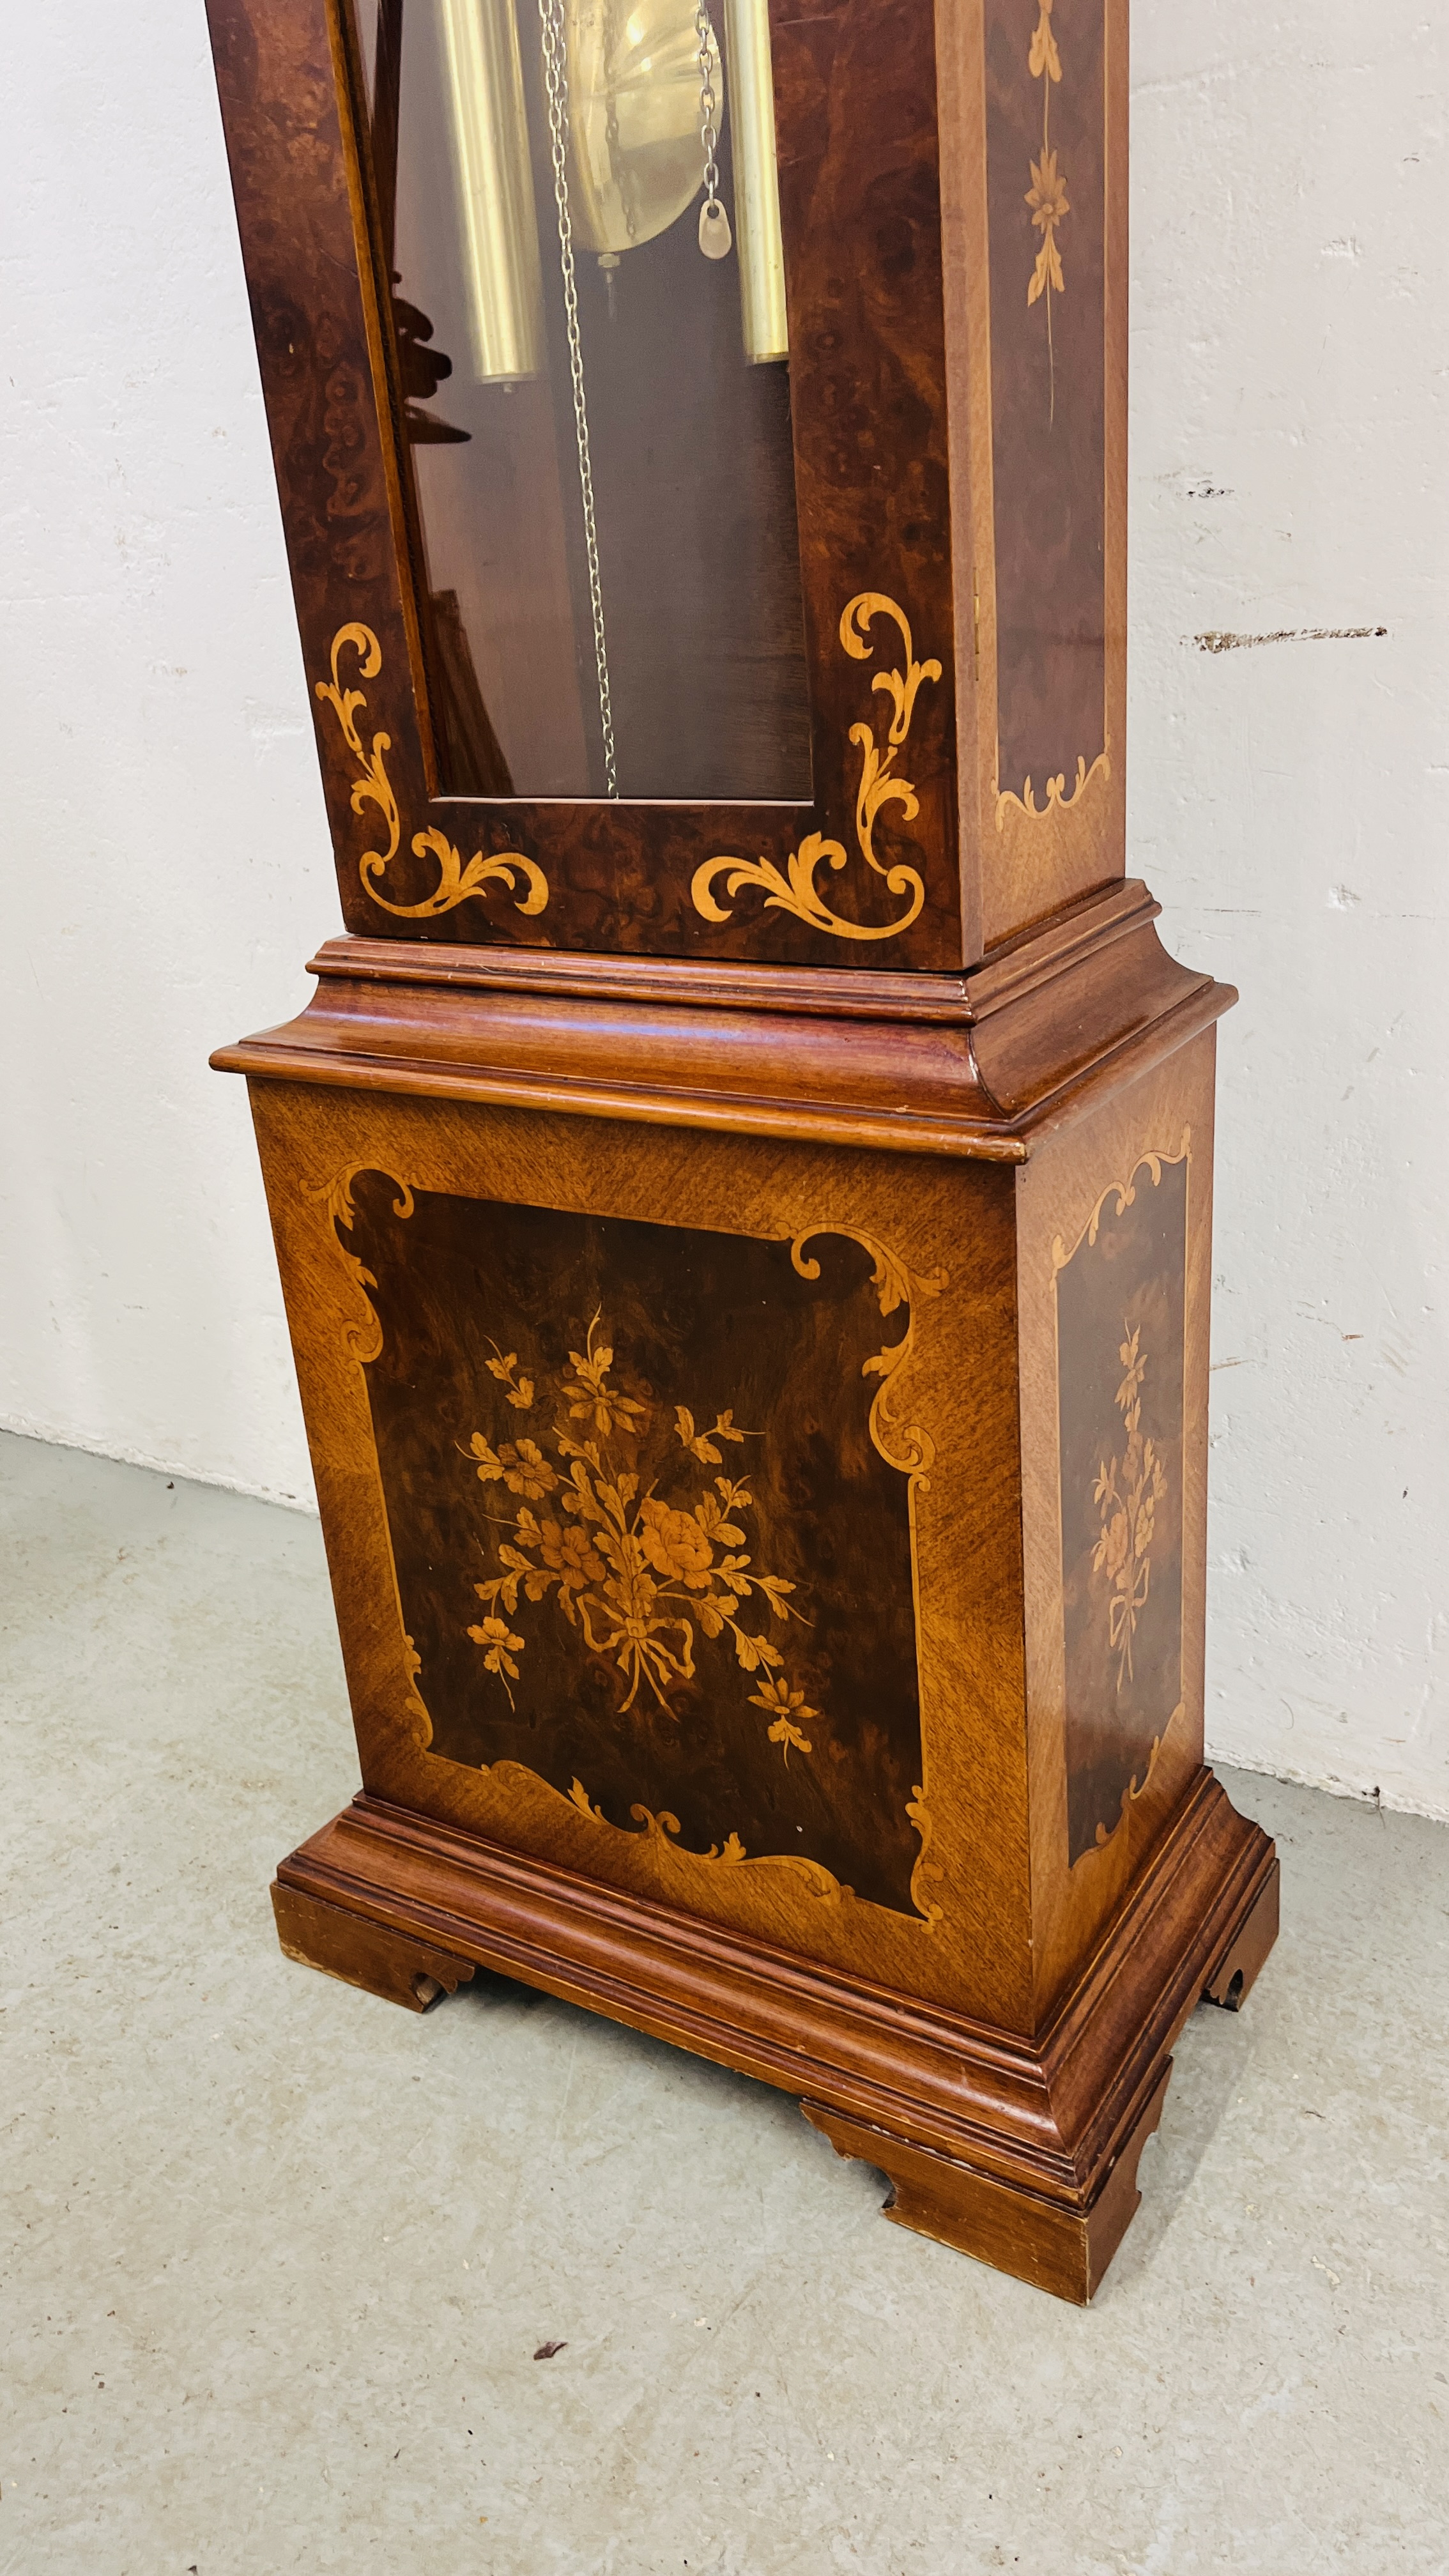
point(1126, 1492)
point(642, 1575)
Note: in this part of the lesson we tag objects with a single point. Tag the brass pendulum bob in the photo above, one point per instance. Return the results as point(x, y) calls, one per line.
point(634, 90)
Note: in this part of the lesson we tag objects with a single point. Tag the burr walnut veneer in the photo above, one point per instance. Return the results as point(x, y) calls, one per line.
point(743, 1186)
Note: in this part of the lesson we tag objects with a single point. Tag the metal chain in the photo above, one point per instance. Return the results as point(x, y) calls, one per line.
point(556, 87)
point(708, 103)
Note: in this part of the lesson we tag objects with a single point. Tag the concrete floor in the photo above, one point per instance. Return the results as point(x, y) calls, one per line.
point(279, 2256)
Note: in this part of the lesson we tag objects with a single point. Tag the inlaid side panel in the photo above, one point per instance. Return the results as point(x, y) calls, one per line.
point(645, 1541)
point(1120, 1315)
point(1038, 163)
point(1046, 145)
point(1114, 1248)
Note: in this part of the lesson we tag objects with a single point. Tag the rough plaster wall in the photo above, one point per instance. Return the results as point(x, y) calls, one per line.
point(1291, 470)
point(168, 870)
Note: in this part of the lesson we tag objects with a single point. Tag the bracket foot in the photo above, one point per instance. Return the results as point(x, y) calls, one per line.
point(1049, 2243)
point(362, 1953)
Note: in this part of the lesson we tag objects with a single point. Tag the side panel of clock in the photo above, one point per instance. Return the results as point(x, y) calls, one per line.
point(1113, 1254)
point(1034, 157)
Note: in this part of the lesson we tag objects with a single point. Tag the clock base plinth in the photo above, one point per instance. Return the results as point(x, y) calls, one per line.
point(1022, 2152)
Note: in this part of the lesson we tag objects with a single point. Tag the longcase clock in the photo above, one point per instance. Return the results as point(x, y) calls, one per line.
point(743, 1186)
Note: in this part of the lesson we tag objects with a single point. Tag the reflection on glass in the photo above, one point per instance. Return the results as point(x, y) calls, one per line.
point(579, 218)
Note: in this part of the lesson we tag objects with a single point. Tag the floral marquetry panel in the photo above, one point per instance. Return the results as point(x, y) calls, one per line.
point(1050, 520)
point(1115, 1256)
point(1046, 152)
point(645, 1542)
point(672, 1508)
point(1120, 1348)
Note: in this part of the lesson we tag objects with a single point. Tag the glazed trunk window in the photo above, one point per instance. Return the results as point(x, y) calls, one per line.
point(582, 311)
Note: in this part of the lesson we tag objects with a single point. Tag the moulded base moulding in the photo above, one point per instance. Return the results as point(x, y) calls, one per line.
point(1020, 2151)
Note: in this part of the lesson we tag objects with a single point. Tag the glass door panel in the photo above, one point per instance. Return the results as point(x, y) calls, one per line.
point(579, 221)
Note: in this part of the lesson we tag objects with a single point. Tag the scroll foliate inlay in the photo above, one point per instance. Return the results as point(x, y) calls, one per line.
point(795, 890)
point(456, 882)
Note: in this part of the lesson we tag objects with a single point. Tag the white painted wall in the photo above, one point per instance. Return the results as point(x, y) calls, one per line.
point(164, 849)
point(1290, 470)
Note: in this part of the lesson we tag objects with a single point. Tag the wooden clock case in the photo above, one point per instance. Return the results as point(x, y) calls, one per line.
point(748, 1262)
